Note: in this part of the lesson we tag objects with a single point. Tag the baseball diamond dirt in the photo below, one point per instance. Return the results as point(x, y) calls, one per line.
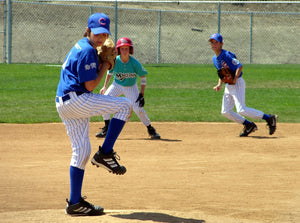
point(197, 172)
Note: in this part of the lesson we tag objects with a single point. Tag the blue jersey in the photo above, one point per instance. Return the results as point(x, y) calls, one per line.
point(80, 65)
point(126, 73)
point(226, 59)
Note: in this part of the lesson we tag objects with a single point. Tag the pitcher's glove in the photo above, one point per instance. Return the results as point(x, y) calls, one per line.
point(226, 75)
point(141, 100)
point(107, 52)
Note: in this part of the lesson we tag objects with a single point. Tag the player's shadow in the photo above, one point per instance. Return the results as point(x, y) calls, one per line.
point(264, 137)
point(165, 140)
point(156, 217)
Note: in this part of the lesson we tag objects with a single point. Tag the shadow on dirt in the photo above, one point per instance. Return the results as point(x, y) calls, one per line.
point(264, 137)
point(166, 140)
point(157, 217)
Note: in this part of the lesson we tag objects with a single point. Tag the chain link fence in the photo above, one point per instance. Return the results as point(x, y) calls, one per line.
point(162, 32)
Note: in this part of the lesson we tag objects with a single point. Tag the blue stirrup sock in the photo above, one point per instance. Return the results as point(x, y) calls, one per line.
point(266, 117)
point(76, 179)
point(114, 129)
point(246, 122)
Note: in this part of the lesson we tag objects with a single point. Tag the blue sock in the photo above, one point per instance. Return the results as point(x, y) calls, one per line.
point(114, 129)
point(246, 122)
point(265, 117)
point(76, 179)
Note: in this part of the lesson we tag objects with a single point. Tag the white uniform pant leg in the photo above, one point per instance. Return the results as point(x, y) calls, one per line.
point(75, 114)
point(132, 94)
point(78, 132)
point(114, 90)
point(228, 104)
point(239, 98)
point(88, 105)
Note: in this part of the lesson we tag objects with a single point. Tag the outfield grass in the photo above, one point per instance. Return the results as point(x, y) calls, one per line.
point(173, 92)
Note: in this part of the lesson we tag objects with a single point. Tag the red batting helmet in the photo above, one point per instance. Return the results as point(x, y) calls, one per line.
point(124, 41)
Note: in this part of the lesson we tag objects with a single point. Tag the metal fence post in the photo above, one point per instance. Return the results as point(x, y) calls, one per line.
point(4, 31)
point(250, 47)
point(219, 17)
point(116, 21)
point(9, 31)
point(158, 41)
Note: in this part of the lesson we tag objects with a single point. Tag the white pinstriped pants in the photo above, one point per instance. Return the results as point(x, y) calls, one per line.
point(75, 114)
point(234, 95)
point(132, 93)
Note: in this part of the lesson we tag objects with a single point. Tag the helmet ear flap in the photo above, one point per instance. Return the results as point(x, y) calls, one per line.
point(131, 50)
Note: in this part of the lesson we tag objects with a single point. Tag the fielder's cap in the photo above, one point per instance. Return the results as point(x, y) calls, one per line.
point(217, 37)
point(99, 23)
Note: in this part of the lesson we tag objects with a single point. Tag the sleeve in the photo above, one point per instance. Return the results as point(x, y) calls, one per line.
point(215, 62)
point(232, 61)
point(87, 65)
point(139, 69)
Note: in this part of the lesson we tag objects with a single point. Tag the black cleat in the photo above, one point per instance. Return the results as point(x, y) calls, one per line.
point(272, 121)
point(152, 132)
point(103, 132)
point(83, 208)
point(248, 129)
point(108, 161)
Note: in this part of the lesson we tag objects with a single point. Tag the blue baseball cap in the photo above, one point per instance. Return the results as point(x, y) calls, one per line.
point(99, 23)
point(217, 37)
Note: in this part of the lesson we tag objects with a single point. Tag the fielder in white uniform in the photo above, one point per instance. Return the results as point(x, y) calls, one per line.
point(234, 95)
point(126, 71)
point(75, 103)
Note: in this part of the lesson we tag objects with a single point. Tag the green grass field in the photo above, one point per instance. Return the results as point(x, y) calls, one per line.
point(173, 92)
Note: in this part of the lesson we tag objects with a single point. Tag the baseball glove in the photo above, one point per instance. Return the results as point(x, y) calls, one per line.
point(140, 100)
point(226, 75)
point(107, 52)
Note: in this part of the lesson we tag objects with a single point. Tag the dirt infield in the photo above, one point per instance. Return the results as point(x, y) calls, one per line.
point(192, 175)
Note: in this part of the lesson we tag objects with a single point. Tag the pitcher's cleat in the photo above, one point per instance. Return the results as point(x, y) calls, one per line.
point(83, 208)
point(108, 161)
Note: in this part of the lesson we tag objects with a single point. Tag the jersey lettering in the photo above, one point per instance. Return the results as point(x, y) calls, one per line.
point(90, 66)
point(122, 76)
point(224, 65)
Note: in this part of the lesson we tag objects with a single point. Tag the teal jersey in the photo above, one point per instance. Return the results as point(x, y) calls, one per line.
point(125, 74)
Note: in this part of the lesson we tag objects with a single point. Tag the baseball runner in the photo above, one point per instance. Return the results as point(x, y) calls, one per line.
point(230, 72)
point(125, 72)
point(75, 103)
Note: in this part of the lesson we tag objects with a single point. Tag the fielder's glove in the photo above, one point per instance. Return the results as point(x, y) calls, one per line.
point(226, 75)
point(107, 52)
point(141, 100)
